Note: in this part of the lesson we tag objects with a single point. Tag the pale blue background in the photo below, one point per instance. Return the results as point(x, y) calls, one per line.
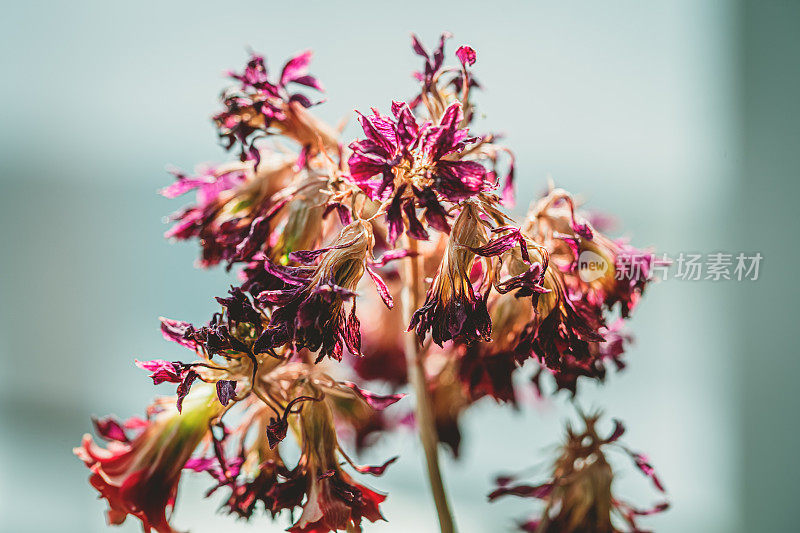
point(680, 117)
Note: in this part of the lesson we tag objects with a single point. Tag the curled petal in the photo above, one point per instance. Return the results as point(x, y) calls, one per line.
point(383, 290)
point(503, 244)
point(376, 401)
point(183, 388)
point(376, 470)
point(162, 371)
point(524, 491)
point(466, 55)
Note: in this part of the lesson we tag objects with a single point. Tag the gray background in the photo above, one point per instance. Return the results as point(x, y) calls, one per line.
point(679, 117)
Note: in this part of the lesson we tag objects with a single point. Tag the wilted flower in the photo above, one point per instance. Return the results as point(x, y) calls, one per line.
point(309, 311)
point(578, 497)
point(453, 309)
point(140, 477)
point(259, 107)
point(497, 295)
point(415, 165)
point(234, 208)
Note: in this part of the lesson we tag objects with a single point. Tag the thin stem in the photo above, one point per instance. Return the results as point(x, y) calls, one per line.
point(410, 298)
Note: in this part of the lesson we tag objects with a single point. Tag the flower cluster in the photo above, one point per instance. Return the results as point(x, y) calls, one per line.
point(327, 235)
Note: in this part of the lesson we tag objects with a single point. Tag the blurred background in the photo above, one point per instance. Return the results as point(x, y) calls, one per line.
point(681, 118)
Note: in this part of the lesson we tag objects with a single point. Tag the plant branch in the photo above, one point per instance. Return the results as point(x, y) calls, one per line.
point(410, 299)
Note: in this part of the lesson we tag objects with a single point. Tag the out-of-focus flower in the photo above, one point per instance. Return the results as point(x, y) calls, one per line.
point(259, 107)
point(578, 497)
point(605, 271)
point(140, 477)
point(415, 165)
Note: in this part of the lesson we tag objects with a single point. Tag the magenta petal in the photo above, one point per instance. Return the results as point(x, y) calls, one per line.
point(176, 331)
point(162, 371)
point(393, 255)
point(296, 67)
point(383, 290)
point(643, 463)
point(376, 401)
point(508, 197)
point(466, 55)
point(109, 429)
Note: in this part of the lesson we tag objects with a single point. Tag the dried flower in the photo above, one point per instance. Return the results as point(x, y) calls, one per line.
point(140, 477)
point(578, 497)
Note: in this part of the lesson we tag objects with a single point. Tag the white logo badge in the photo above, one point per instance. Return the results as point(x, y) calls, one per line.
point(591, 266)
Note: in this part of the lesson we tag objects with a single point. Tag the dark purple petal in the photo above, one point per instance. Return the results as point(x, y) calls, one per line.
point(352, 332)
point(183, 388)
point(619, 429)
point(345, 216)
point(255, 240)
point(226, 390)
point(419, 49)
point(435, 214)
point(394, 216)
point(524, 491)
point(459, 180)
point(380, 285)
point(415, 227)
point(309, 256)
point(309, 81)
point(376, 401)
point(276, 431)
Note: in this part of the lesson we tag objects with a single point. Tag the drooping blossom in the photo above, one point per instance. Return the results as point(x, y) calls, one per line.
point(578, 496)
point(308, 312)
point(453, 309)
point(140, 477)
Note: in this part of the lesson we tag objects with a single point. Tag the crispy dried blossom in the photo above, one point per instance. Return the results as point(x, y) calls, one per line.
point(309, 311)
point(578, 496)
point(234, 210)
point(260, 107)
point(415, 165)
point(453, 309)
point(140, 477)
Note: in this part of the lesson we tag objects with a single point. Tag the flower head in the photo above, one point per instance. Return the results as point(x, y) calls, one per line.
point(453, 309)
point(578, 497)
point(260, 107)
point(416, 165)
point(308, 311)
point(140, 477)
